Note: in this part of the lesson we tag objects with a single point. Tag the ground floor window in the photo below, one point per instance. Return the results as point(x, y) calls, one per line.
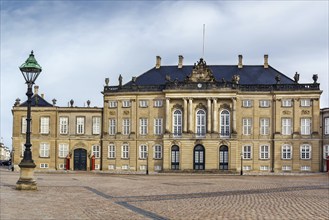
point(223, 158)
point(175, 157)
point(199, 157)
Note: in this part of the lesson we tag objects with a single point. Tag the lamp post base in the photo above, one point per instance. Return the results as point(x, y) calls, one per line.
point(26, 180)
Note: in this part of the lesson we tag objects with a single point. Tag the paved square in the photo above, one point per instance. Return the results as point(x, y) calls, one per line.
point(81, 195)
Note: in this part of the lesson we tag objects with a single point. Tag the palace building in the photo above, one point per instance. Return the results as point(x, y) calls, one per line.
point(216, 118)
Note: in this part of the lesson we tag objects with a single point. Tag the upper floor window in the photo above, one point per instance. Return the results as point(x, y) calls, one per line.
point(158, 103)
point(113, 104)
point(325, 152)
point(63, 150)
point(225, 123)
point(157, 151)
point(143, 103)
point(126, 103)
point(112, 126)
point(326, 126)
point(80, 125)
point(247, 103)
point(142, 151)
point(111, 151)
point(96, 125)
point(247, 152)
point(201, 122)
point(305, 102)
point(305, 126)
point(286, 151)
point(63, 125)
point(264, 126)
point(286, 102)
point(24, 123)
point(125, 151)
point(264, 103)
point(264, 152)
point(44, 150)
point(246, 126)
point(126, 126)
point(143, 124)
point(177, 122)
point(44, 125)
point(305, 151)
point(286, 126)
point(158, 126)
point(96, 149)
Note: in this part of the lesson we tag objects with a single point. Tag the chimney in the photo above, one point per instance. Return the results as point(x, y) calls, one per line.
point(158, 62)
point(36, 90)
point(240, 62)
point(42, 95)
point(265, 61)
point(180, 61)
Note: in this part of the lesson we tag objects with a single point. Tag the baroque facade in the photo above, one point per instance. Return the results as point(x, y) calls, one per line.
point(186, 118)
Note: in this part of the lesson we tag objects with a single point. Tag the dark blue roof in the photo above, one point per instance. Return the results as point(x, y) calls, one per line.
point(37, 101)
point(249, 74)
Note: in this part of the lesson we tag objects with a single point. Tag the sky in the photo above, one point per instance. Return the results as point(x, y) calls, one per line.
point(80, 43)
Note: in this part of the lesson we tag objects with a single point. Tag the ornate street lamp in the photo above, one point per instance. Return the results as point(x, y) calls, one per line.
point(241, 171)
point(30, 70)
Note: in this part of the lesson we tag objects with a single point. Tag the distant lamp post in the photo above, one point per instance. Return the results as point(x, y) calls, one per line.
point(30, 70)
point(147, 164)
point(241, 171)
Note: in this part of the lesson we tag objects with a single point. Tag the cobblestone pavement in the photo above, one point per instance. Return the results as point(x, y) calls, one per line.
point(82, 195)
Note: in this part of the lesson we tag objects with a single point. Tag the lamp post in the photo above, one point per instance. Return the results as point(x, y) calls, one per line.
point(30, 71)
point(241, 171)
point(147, 163)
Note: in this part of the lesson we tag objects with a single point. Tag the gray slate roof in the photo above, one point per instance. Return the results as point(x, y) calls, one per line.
point(37, 101)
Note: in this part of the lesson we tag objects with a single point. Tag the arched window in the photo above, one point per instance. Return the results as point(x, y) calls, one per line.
point(201, 122)
point(175, 157)
point(177, 122)
point(225, 123)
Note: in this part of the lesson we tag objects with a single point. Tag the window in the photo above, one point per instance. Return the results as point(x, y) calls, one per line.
point(264, 103)
point(246, 103)
point(225, 123)
point(44, 150)
point(96, 125)
point(326, 126)
point(158, 103)
point(264, 126)
point(143, 126)
point(111, 167)
point(126, 103)
point(142, 152)
point(286, 168)
point(201, 123)
point(305, 151)
point(157, 152)
point(246, 122)
point(177, 123)
point(264, 152)
point(305, 168)
point(61, 166)
point(111, 151)
point(80, 125)
point(325, 151)
point(286, 103)
point(305, 102)
point(44, 165)
point(97, 166)
point(23, 149)
point(125, 167)
point(263, 168)
point(24, 123)
point(96, 151)
point(157, 168)
point(143, 103)
point(247, 168)
point(286, 126)
point(126, 126)
point(113, 104)
point(63, 125)
point(305, 126)
point(247, 152)
point(112, 126)
point(63, 150)
point(125, 151)
point(286, 152)
point(158, 126)
point(44, 125)
point(142, 167)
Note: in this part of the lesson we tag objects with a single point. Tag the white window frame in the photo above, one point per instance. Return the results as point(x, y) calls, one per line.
point(125, 151)
point(44, 165)
point(143, 151)
point(264, 126)
point(177, 123)
point(63, 125)
point(247, 152)
point(157, 167)
point(247, 103)
point(44, 150)
point(247, 167)
point(143, 126)
point(143, 103)
point(305, 168)
point(201, 123)
point(305, 126)
point(24, 125)
point(264, 152)
point(96, 125)
point(63, 150)
point(111, 167)
point(125, 167)
point(112, 126)
point(113, 104)
point(305, 152)
point(326, 125)
point(126, 126)
point(157, 151)
point(264, 103)
point(246, 126)
point(286, 168)
point(225, 123)
point(286, 102)
point(305, 102)
point(96, 151)
point(264, 168)
point(44, 125)
point(286, 152)
point(111, 151)
point(158, 129)
point(158, 103)
point(126, 103)
point(325, 151)
point(286, 126)
point(80, 125)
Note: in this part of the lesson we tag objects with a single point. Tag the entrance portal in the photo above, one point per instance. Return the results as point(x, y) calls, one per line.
point(223, 158)
point(80, 159)
point(199, 157)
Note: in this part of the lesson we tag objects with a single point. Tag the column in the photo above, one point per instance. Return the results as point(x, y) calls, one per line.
point(190, 114)
point(167, 115)
point(215, 124)
point(234, 115)
point(208, 115)
point(185, 116)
